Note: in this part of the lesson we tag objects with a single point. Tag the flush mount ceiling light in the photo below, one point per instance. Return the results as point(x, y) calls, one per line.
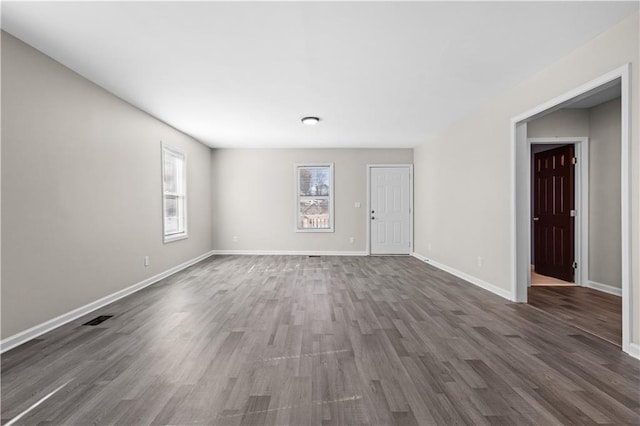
point(310, 121)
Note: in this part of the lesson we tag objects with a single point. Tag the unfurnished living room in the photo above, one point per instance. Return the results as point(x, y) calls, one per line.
point(318, 213)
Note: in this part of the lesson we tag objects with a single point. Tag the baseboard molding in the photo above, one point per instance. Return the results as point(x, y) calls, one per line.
point(604, 288)
point(289, 253)
point(33, 332)
point(634, 350)
point(470, 278)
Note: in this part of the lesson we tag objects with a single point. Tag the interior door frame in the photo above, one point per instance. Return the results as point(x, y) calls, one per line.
point(521, 197)
point(581, 202)
point(368, 212)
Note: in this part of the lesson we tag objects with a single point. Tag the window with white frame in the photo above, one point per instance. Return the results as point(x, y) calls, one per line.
point(174, 193)
point(314, 197)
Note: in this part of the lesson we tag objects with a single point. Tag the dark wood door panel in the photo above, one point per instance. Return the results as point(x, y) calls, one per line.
point(554, 200)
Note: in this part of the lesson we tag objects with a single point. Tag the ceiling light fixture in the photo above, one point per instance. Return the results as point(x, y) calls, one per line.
point(310, 121)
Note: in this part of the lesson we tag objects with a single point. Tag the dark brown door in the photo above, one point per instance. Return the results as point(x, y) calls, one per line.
point(553, 204)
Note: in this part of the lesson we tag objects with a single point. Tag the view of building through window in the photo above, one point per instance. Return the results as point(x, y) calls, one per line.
point(314, 197)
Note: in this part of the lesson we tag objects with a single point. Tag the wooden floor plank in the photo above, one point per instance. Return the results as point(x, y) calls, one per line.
point(246, 340)
point(591, 310)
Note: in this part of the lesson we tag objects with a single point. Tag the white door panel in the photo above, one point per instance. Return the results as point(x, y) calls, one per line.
point(390, 215)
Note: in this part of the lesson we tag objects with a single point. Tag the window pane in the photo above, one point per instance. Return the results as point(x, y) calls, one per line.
point(174, 193)
point(171, 225)
point(173, 172)
point(314, 213)
point(314, 181)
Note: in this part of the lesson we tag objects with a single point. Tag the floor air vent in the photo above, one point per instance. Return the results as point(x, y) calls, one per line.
point(313, 255)
point(98, 320)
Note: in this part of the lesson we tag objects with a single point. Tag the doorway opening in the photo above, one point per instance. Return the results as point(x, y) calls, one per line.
point(560, 283)
point(581, 298)
point(390, 209)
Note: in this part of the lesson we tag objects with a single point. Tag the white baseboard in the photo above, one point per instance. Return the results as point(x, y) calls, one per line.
point(604, 287)
point(33, 332)
point(470, 278)
point(634, 350)
point(289, 253)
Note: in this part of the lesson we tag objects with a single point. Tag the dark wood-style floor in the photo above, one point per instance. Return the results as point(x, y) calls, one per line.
point(329, 340)
point(590, 310)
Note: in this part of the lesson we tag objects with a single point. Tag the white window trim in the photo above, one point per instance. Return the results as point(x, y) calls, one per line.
point(296, 214)
point(185, 234)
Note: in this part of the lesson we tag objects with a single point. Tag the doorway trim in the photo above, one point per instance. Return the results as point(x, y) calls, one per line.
point(520, 192)
point(581, 201)
point(371, 166)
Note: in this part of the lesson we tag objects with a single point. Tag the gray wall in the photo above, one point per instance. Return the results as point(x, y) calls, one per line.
point(81, 202)
point(604, 194)
point(602, 125)
point(255, 197)
point(564, 122)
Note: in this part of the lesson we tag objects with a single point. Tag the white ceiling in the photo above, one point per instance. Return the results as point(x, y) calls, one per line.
point(379, 74)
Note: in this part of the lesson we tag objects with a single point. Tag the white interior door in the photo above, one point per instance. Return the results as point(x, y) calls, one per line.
point(390, 214)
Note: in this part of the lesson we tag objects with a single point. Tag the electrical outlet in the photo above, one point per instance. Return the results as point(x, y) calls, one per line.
point(351, 240)
point(357, 204)
point(429, 246)
point(146, 261)
point(480, 261)
point(235, 238)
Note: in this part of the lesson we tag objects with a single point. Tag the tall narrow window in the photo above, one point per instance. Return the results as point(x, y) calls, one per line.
point(174, 193)
point(314, 200)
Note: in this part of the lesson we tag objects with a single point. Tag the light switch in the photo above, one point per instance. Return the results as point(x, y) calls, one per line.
point(357, 204)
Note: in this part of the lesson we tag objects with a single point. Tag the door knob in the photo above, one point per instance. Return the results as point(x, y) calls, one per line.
point(373, 218)
point(535, 219)
point(372, 211)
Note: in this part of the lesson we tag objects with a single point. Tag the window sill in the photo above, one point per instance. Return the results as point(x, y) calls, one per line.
point(314, 230)
point(176, 237)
